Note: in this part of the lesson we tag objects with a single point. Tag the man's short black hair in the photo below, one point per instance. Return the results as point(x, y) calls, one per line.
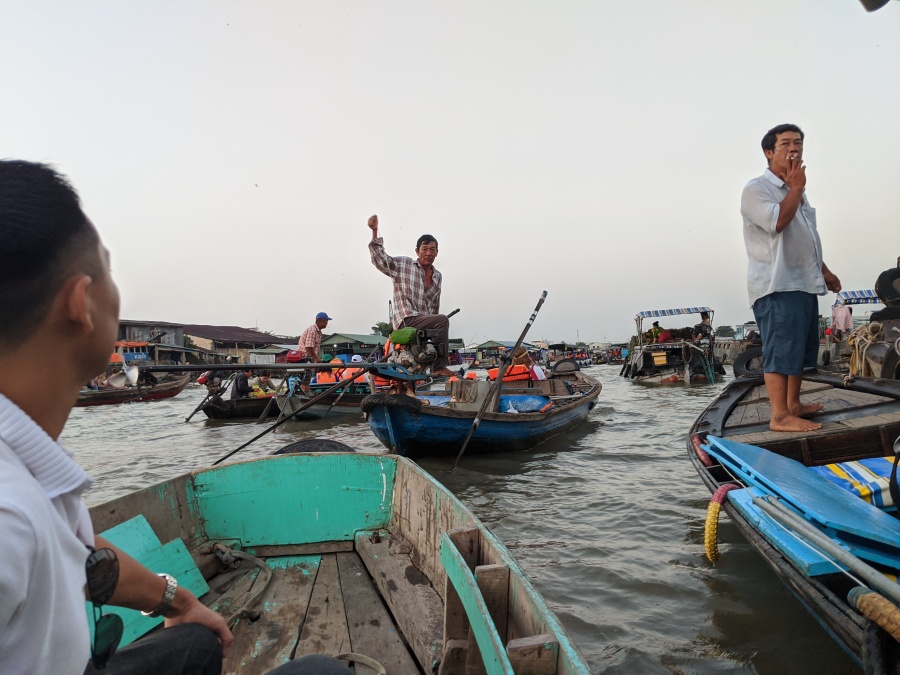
point(426, 239)
point(44, 234)
point(768, 141)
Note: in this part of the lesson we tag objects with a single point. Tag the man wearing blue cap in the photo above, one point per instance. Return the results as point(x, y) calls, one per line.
point(309, 343)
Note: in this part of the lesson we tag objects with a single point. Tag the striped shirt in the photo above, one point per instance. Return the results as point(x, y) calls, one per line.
point(411, 298)
point(312, 337)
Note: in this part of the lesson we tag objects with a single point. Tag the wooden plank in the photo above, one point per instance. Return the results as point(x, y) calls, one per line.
point(259, 646)
point(496, 661)
point(456, 625)
point(325, 628)
point(416, 606)
point(535, 655)
point(315, 548)
point(493, 582)
point(372, 631)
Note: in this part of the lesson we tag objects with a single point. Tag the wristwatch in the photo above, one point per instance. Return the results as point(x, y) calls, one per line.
point(168, 596)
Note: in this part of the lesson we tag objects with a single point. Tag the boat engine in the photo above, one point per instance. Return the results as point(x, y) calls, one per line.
point(413, 348)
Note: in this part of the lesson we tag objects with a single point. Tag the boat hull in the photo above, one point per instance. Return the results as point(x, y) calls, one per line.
point(860, 419)
point(218, 408)
point(431, 430)
point(163, 390)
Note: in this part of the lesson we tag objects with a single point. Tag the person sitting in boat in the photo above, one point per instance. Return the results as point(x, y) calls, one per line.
point(655, 331)
point(241, 387)
point(57, 293)
point(703, 330)
point(263, 382)
point(417, 291)
point(521, 357)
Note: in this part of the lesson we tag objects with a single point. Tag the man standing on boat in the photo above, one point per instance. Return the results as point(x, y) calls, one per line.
point(308, 345)
point(417, 291)
point(785, 274)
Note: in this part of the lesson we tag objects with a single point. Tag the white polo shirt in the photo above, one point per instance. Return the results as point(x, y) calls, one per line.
point(790, 260)
point(45, 529)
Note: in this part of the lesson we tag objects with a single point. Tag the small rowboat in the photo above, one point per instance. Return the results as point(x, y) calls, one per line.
point(165, 388)
point(340, 553)
point(437, 422)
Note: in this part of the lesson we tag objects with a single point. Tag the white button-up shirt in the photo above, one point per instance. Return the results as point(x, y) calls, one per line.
point(790, 260)
point(46, 530)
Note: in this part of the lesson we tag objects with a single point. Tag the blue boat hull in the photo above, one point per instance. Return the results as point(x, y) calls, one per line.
point(439, 431)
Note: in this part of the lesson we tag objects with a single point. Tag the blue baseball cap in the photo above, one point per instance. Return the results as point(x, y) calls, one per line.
point(323, 315)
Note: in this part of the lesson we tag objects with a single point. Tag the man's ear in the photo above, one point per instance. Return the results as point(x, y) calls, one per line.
point(77, 305)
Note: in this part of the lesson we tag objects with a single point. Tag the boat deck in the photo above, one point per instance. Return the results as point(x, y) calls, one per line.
point(856, 422)
point(313, 604)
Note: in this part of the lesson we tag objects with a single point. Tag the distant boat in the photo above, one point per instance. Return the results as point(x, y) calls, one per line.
point(677, 360)
point(340, 553)
point(166, 387)
point(436, 422)
point(756, 474)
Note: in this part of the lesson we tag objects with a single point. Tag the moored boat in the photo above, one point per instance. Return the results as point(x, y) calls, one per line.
point(745, 465)
point(144, 390)
point(437, 422)
point(673, 356)
point(341, 552)
point(220, 408)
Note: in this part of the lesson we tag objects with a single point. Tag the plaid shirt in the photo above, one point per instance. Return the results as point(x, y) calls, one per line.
point(312, 337)
point(410, 296)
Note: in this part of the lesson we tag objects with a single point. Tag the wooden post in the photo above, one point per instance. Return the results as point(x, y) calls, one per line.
point(535, 655)
point(456, 625)
point(493, 581)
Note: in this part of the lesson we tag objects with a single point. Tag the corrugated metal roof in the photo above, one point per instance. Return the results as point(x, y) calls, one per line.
point(230, 334)
point(338, 338)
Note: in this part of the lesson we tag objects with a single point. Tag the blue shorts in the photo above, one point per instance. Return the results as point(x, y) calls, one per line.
point(789, 325)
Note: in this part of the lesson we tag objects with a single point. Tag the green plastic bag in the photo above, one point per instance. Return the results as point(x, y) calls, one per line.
point(404, 336)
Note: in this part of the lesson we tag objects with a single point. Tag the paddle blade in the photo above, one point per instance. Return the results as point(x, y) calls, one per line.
point(131, 374)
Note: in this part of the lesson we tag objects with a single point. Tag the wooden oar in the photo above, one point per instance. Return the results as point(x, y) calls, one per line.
point(495, 388)
point(209, 397)
point(299, 410)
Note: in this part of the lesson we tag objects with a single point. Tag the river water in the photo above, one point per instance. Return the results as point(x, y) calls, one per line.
point(607, 521)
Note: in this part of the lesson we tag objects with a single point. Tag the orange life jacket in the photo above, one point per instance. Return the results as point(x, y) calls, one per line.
point(512, 373)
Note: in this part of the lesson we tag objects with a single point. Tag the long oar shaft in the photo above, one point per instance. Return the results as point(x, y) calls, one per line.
point(802, 528)
point(495, 389)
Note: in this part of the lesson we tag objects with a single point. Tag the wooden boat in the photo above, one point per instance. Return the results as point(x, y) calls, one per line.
point(681, 360)
point(437, 422)
point(860, 421)
point(379, 559)
point(165, 387)
point(220, 408)
point(335, 404)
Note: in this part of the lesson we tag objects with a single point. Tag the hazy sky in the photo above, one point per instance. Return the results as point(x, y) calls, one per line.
point(230, 153)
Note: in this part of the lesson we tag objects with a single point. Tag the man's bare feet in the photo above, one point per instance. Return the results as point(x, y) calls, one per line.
point(443, 372)
point(793, 423)
point(807, 409)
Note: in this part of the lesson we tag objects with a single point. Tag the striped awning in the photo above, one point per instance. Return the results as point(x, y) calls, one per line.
point(671, 312)
point(866, 297)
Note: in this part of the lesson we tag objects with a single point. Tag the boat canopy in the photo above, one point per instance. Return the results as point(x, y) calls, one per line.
point(671, 312)
point(866, 297)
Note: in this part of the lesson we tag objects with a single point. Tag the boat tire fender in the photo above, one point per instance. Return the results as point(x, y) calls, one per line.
point(749, 363)
point(408, 403)
point(314, 445)
point(826, 357)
